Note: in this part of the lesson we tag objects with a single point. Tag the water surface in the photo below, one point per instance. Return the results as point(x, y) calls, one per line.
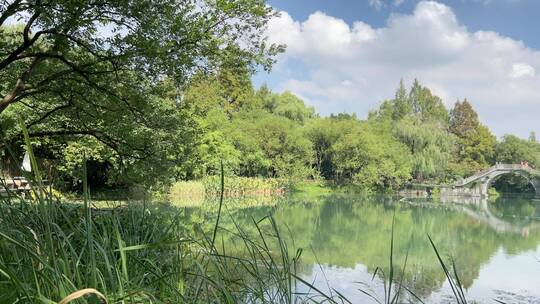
point(495, 244)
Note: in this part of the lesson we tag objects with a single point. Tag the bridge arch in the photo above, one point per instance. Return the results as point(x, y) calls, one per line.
point(478, 184)
point(490, 179)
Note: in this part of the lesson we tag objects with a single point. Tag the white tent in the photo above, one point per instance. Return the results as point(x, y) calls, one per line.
point(26, 166)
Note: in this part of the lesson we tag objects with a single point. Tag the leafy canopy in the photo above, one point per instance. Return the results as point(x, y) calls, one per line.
point(114, 70)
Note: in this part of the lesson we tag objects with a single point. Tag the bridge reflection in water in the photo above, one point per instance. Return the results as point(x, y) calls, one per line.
point(479, 208)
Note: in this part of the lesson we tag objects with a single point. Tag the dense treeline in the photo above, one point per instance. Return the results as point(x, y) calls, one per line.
point(258, 133)
point(152, 103)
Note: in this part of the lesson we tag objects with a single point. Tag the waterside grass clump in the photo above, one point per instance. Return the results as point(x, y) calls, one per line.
point(194, 193)
point(245, 186)
point(136, 253)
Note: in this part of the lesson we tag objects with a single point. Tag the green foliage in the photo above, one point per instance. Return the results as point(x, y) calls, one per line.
point(273, 145)
point(532, 137)
point(512, 149)
point(258, 137)
point(463, 119)
point(515, 150)
point(244, 186)
point(290, 106)
point(475, 149)
point(419, 102)
point(173, 111)
point(136, 254)
point(323, 134)
point(370, 157)
point(425, 105)
point(419, 120)
point(430, 146)
point(108, 72)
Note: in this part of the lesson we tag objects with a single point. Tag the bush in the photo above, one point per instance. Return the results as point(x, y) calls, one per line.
point(244, 186)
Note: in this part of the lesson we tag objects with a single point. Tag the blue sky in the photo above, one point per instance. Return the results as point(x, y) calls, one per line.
point(513, 18)
point(349, 55)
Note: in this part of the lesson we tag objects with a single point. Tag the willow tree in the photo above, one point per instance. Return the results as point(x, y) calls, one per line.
point(430, 146)
point(98, 68)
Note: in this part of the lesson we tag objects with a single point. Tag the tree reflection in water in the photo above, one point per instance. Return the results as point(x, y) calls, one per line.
point(351, 234)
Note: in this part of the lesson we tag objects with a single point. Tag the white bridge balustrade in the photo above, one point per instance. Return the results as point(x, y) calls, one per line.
point(478, 184)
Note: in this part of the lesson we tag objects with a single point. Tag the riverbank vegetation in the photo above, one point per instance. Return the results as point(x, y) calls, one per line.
point(145, 251)
point(266, 135)
point(139, 115)
point(104, 96)
point(137, 253)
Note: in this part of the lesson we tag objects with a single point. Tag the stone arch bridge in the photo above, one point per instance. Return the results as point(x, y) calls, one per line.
point(478, 184)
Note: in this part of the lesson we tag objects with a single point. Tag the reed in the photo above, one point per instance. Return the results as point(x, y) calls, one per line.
point(52, 251)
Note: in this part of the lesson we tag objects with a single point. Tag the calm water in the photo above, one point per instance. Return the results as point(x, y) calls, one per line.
point(496, 245)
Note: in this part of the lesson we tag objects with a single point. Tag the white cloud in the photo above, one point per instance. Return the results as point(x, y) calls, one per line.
point(522, 70)
point(354, 67)
point(377, 4)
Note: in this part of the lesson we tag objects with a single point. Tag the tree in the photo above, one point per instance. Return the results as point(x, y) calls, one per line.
point(532, 137)
point(463, 119)
point(288, 105)
point(114, 70)
point(82, 40)
point(430, 146)
point(271, 146)
point(324, 134)
point(402, 106)
point(513, 150)
point(370, 157)
point(419, 102)
point(475, 147)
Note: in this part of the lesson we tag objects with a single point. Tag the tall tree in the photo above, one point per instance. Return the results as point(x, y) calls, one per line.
point(475, 144)
point(106, 69)
point(83, 40)
point(427, 106)
point(369, 156)
point(430, 146)
point(463, 119)
point(532, 137)
point(288, 105)
point(402, 106)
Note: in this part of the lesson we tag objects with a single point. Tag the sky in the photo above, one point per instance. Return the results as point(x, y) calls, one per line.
point(349, 55)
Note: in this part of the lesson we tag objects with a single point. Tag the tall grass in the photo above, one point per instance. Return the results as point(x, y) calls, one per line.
point(195, 193)
point(135, 253)
point(244, 186)
point(55, 252)
point(52, 251)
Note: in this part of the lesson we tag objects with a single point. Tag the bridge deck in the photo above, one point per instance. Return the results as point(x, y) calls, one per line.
point(498, 167)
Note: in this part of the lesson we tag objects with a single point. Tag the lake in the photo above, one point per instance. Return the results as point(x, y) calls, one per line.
point(346, 239)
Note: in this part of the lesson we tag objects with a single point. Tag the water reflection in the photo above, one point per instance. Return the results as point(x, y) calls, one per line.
point(345, 238)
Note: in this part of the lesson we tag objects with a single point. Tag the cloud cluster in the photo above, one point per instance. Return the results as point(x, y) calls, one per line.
point(354, 67)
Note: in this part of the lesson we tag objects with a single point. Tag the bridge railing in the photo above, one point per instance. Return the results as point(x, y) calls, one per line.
point(495, 168)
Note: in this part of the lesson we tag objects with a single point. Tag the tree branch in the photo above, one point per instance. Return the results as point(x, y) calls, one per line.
point(14, 55)
point(49, 113)
point(26, 32)
point(10, 10)
point(19, 86)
